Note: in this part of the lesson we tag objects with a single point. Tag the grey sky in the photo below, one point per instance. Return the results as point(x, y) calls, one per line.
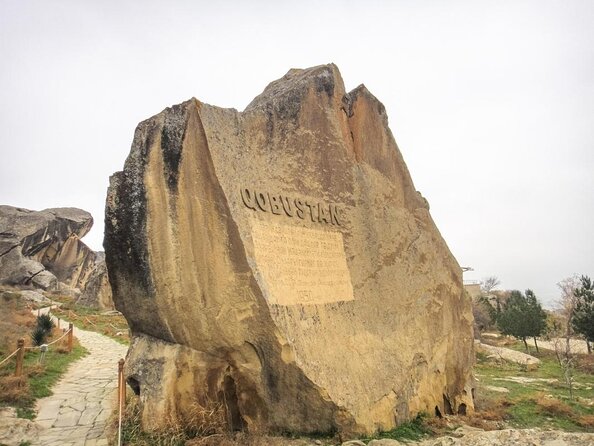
point(491, 103)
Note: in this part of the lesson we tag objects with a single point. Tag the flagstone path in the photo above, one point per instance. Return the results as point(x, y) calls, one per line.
point(84, 398)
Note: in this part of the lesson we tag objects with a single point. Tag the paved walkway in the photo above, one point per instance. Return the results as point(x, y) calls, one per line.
point(83, 400)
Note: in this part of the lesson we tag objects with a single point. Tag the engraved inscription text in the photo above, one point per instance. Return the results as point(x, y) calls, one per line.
point(301, 265)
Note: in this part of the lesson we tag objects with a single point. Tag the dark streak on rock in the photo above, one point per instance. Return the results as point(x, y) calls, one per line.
point(127, 257)
point(172, 138)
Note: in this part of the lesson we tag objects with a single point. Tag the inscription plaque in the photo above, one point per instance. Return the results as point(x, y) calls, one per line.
point(301, 265)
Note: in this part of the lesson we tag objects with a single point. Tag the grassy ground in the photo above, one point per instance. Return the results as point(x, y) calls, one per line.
point(416, 429)
point(93, 319)
point(538, 398)
point(207, 426)
point(38, 377)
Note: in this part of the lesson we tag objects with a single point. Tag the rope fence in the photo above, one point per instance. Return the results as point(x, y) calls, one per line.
point(9, 356)
point(21, 349)
point(68, 332)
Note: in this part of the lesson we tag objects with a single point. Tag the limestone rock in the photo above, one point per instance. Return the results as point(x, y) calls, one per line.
point(44, 280)
point(530, 362)
point(16, 431)
point(385, 442)
point(33, 241)
point(34, 296)
point(97, 292)
point(514, 437)
point(44, 249)
point(280, 260)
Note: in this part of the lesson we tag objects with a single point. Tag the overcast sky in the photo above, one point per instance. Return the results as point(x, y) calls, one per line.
point(491, 104)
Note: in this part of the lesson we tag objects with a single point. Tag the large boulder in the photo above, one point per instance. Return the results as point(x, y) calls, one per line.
point(37, 244)
point(280, 260)
point(97, 291)
point(44, 249)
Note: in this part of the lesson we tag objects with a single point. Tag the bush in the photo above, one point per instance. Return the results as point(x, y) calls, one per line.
point(13, 389)
point(44, 321)
point(38, 336)
point(201, 421)
point(553, 407)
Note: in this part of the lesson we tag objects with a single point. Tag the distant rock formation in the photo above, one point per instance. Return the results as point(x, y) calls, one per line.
point(281, 261)
point(97, 292)
point(43, 249)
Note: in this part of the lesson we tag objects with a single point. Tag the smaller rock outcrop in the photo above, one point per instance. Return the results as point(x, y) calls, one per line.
point(44, 250)
point(16, 431)
point(97, 292)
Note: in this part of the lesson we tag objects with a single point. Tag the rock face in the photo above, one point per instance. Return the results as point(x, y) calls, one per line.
point(280, 259)
point(16, 431)
point(97, 291)
point(43, 248)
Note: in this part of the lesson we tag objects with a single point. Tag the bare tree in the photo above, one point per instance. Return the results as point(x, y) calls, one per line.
point(566, 362)
point(567, 304)
point(488, 284)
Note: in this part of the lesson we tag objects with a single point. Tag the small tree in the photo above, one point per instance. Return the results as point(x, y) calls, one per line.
point(568, 302)
point(522, 316)
point(488, 284)
point(583, 314)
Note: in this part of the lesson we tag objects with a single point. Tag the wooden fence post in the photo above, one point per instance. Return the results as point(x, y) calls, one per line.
point(20, 356)
point(121, 384)
point(70, 336)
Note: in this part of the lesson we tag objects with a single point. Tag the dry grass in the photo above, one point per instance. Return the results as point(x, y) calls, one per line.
point(585, 363)
point(203, 421)
point(13, 389)
point(203, 425)
point(586, 421)
point(16, 321)
point(552, 406)
point(93, 319)
point(490, 413)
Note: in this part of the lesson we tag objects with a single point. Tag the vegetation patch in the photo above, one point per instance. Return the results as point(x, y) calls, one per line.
point(109, 323)
point(202, 421)
point(538, 398)
point(413, 430)
point(39, 373)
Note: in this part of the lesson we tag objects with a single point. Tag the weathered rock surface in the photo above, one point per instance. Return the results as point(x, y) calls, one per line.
point(44, 249)
point(280, 259)
point(514, 437)
point(34, 296)
point(97, 291)
point(529, 361)
point(16, 431)
point(33, 241)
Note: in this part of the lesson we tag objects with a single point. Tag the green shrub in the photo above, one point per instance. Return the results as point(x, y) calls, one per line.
point(38, 336)
point(44, 322)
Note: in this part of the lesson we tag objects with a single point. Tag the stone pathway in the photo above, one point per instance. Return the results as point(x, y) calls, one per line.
point(83, 400)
